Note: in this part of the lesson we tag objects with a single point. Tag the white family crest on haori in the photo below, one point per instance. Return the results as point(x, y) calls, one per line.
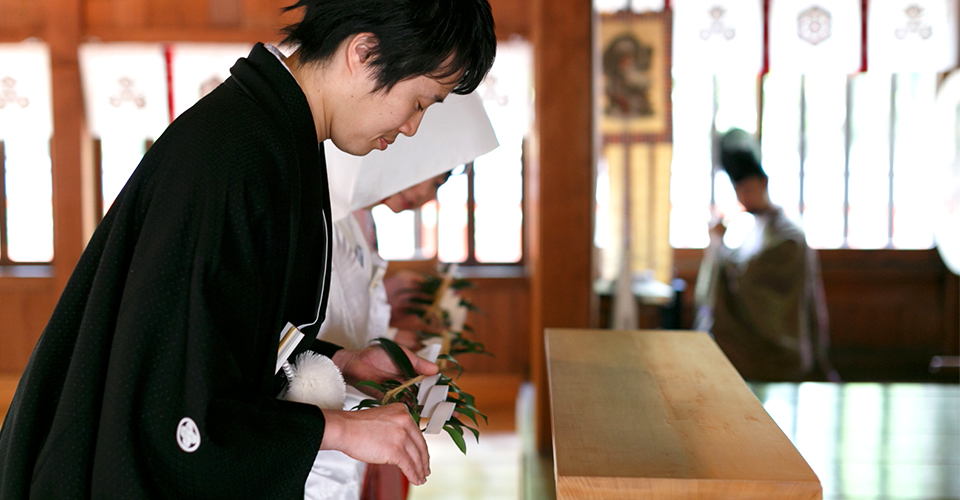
point(452, 133)
point(717, 36)
point(188, 435)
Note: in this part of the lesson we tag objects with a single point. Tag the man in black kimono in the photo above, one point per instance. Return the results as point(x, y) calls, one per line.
point(155, 376)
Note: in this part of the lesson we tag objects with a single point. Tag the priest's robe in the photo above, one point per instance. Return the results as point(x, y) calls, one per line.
point(155, 376)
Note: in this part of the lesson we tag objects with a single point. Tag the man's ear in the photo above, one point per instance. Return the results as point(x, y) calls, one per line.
point(360, 49)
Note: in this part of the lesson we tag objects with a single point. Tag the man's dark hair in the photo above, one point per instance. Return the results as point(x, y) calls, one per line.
point(437, 38)
point(740, 155)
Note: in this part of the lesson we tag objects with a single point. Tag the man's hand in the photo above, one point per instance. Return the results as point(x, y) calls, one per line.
point(373, 363)
point(408, 339)
point(383, 435)
point(717, 230)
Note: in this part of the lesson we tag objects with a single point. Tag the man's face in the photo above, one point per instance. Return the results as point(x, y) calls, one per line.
point(373, 120)
point(752, 193)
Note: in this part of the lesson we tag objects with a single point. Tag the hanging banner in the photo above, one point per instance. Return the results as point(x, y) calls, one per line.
point(906, 36)
point(25, 96)
point(198, 68)
point(815, 36)
point(635, 61)
point(711, 36)
point(125, 88)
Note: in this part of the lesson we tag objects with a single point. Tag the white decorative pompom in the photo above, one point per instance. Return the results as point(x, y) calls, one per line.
point(314, 379)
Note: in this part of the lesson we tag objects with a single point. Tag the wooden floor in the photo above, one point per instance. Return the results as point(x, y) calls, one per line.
point(873, 441)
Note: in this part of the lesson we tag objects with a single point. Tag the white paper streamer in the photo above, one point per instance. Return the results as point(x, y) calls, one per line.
point(440, 416)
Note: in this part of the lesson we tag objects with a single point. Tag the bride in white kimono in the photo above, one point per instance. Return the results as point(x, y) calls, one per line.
point(405, 176)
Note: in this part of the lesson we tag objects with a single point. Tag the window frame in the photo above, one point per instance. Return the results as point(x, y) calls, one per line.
point(471, 237)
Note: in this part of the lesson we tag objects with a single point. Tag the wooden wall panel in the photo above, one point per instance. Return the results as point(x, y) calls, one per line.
point(266, 14)
point(176, 14)
point(513, 18)
point(69, 134)
point(224, 13)
point(503, 325)
point(890, 311)
point(20, 19)
point(23, 315)
point(128, 14)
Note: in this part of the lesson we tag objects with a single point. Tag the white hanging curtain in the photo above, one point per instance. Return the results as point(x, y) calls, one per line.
point(717, 36)
point(815, 37)
point(198, 68)
point(25, 96)
point(125, 88)
point(906, 36)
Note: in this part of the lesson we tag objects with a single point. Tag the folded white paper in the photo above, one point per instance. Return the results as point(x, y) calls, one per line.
point(430, 352)
point(440, 416)
point(425, 385)
point(437, 395)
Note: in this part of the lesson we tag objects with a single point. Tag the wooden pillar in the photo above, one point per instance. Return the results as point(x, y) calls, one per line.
point(62, 34)
point(560, 184)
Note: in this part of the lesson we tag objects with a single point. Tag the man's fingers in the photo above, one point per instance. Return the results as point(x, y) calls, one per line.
point(420, 465)
point(409, 470)
point(420, 450)
point(421, 365)
point(415, 446)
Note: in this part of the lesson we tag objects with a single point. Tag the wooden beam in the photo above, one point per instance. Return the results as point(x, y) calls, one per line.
point(63, 29)
point(217, 34)
point(15, 35)
point(560, 182)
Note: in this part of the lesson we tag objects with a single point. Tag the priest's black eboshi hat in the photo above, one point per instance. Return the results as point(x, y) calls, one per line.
point(740, 155)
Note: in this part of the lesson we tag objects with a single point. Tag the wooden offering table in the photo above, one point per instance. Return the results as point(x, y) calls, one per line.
point(663, 414)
